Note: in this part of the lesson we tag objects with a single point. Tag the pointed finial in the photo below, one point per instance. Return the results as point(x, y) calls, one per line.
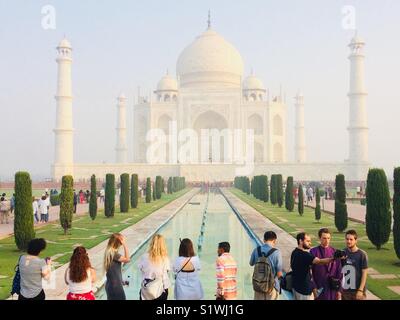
point(209, 19)
point(167, 72)
point(252, 71)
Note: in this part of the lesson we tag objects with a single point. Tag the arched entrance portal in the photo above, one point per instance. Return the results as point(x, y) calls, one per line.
point(210, 127)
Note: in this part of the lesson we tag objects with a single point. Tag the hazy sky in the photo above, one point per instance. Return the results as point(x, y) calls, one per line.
point(119, 45)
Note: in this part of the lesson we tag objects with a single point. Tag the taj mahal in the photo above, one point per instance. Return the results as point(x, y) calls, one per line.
point(214, 103)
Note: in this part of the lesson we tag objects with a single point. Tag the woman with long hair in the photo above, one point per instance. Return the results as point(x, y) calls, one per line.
point(80, 276)
point(155, 266)
point(113, 267)
point(186, 269)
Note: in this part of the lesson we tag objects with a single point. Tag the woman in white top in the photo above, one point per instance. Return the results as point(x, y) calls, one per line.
point(186, 269)
point(80, 276)
point(155, 266)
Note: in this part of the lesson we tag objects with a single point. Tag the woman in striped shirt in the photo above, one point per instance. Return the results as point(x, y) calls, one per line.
point(226, 273)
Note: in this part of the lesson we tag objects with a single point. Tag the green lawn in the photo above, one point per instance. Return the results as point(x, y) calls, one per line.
point(384, 261)
point(84, 232)
point(9, 192)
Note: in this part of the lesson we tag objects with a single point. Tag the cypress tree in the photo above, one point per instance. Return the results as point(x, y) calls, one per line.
point(162, 185)
point(169, 185)
point(263, 182)
point(266, 186)
point(254, 186)
point(289, 198)
point(23, 212)
point(66, 203)
point(158, 188)
point(274, 196)
point(279, 190)
point(340, 203)
point(148, 190)
point(109, 202)
point(378, 219)
point(134, 191)
point(124, 196)
point(300, 205)
point(317, 205)
point(154, 192)
point(396, 211)
point(93, 198)
point(247, 185)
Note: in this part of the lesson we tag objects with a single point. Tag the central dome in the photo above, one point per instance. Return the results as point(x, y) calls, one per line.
point(210, 60)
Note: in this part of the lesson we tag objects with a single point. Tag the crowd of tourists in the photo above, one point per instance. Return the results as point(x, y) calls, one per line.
point(320, 273)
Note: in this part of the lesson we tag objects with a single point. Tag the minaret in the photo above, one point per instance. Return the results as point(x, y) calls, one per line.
point(121, 147)
point(358, 123)
point(63, 158)
point(300, 143)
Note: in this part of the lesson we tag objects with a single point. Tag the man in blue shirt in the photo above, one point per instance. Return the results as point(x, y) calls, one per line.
point(275, 260)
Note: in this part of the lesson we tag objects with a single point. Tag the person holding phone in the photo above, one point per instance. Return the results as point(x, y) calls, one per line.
point(32, 270)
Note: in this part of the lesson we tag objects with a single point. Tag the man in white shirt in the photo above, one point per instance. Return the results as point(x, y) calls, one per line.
point(43, 209)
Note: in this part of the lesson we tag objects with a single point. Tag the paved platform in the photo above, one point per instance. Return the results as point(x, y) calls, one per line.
point(136, 235)
point(260, 224)
point(356, 212)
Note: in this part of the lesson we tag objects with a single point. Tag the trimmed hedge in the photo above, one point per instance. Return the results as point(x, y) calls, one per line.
point(93, 198)
point(109, 202)
point(169, 185)
point(23, 212)
point(242, 183)
point(378, 219)
point(340, 203)
point(279, 190)
point(148, 190)
point(318, 205)
point(134, 191)
point(396, 211)
point(300, 205)
point(289, 198)
point(54, 200)
point(66, 203)
point(274, 195)
point(124, 196)
point(158, 187)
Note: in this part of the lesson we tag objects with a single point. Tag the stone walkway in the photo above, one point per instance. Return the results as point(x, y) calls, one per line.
point(136, 235)
point(259, 224)
point(356, 212)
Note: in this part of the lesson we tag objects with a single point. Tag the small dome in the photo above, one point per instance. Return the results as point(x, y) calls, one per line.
point(253, 83)
point(121, 96)
point(167, 83)
point(65, 44)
